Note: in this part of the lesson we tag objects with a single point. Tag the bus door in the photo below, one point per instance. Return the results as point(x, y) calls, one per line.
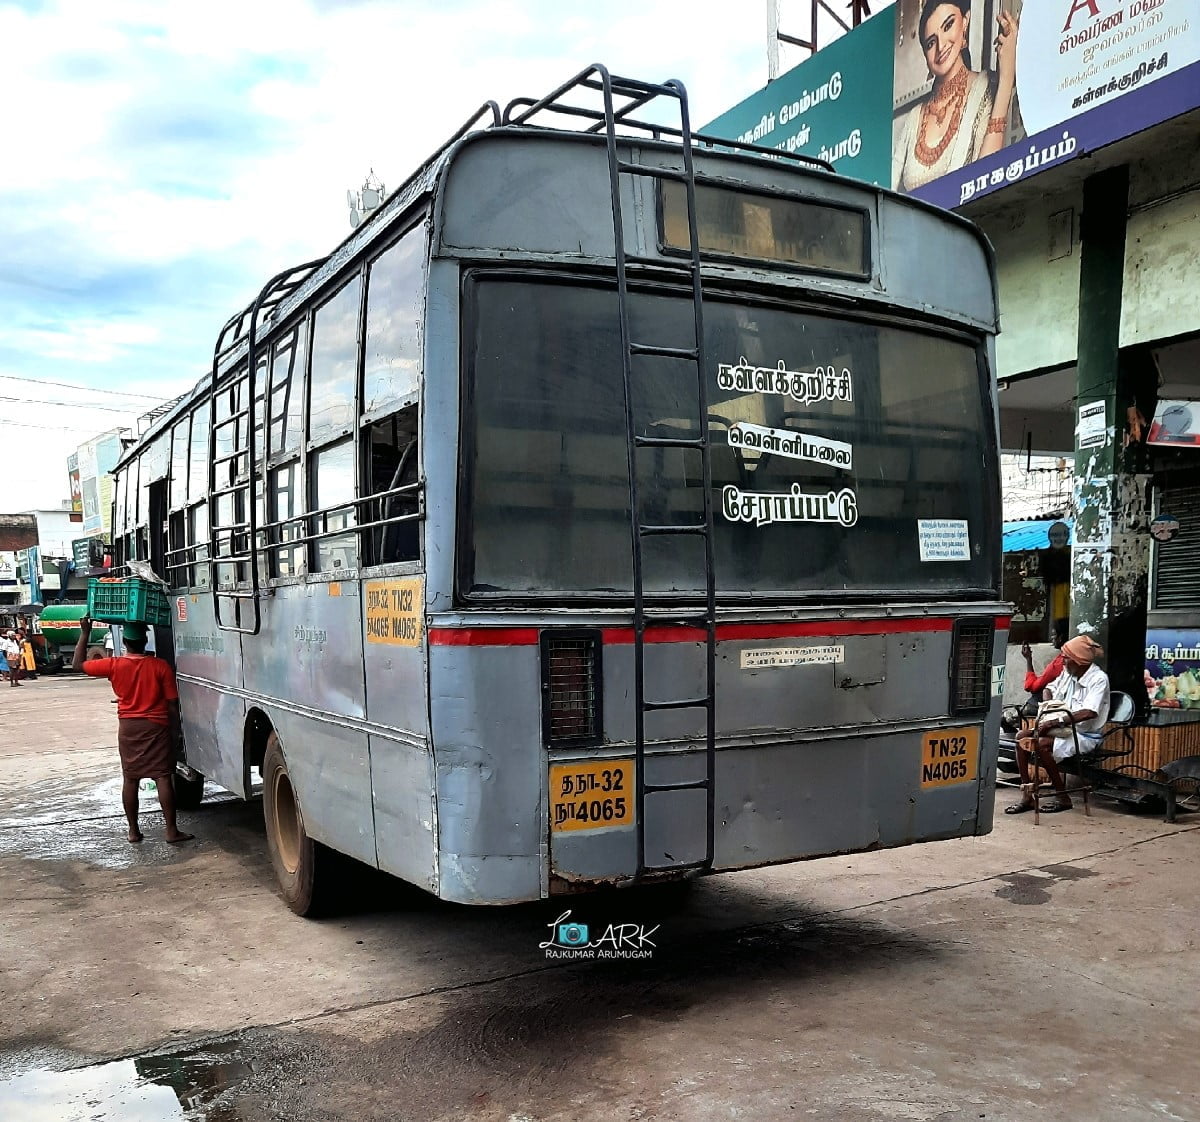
point(164, 644)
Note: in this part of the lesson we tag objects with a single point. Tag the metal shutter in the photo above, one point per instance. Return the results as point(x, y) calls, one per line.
point(1177, 563)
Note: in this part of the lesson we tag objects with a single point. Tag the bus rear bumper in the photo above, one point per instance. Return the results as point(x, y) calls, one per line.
point(789, 802)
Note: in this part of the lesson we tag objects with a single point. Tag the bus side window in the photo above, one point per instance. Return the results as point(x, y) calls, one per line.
point(177, 570)
point(332, 489)
point(395, 307)
point(285, 503)
point(332, 378)
point(391, 471)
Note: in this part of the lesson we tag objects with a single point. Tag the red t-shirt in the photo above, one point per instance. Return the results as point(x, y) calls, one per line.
point(143, 685)
point(1035, 682)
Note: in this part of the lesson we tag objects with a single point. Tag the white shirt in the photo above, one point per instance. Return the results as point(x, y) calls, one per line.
point(10, 647)
point(1089, 691)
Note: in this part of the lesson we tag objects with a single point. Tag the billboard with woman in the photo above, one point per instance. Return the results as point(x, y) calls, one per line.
point(954, 86)
point(984, 93)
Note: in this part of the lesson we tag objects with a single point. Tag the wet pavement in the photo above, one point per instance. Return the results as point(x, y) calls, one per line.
point(1042, 972)
point(178, 1085)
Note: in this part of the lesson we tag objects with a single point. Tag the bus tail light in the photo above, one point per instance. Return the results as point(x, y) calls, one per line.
point(971, 666)
point(571, 687)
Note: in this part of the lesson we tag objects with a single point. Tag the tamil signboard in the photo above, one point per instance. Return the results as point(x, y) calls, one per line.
point(1173, 668)
point(984, 93)
point(834, 107)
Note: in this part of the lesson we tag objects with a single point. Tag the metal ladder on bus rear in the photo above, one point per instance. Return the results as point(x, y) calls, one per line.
point(239, 534)
point(692, 359)
point(635, 96)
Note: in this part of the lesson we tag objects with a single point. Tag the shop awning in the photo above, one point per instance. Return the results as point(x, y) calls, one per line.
point(1022, 536)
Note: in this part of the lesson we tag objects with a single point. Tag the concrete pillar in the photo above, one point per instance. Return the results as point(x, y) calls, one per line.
point(1111, 557)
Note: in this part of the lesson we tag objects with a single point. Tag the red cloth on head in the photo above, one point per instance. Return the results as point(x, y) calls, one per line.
point(143, 685)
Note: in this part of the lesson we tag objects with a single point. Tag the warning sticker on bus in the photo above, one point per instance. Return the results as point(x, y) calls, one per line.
point(393, 611)
point(949, 756)
point(591, 796)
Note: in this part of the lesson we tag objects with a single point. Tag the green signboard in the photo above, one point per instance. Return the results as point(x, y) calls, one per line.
point(836, 106)
point(938, 102)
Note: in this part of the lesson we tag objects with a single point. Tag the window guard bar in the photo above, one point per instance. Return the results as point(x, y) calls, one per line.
point(185, 555)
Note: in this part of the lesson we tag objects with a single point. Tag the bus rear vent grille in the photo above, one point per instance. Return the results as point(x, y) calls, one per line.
point(971, 667)
point(571, 684)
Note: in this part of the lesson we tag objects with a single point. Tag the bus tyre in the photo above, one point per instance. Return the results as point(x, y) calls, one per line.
point(188, 792)
point(301, 865)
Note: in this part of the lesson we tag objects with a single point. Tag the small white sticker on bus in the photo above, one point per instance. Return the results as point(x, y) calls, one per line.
point(944, 539)
point(792, 656)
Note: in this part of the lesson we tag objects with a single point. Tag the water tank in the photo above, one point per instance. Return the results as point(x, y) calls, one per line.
point(60, 626)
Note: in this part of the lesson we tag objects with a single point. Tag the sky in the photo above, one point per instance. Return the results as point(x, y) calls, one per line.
point(161, 159)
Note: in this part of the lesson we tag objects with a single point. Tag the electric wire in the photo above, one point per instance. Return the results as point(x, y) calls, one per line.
point(129, 411)
point(76, 386)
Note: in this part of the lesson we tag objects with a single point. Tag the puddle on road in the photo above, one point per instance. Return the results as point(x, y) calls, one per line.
point(1033, 888)
point(50, 802)
point(85, 823)
point(178, 1087)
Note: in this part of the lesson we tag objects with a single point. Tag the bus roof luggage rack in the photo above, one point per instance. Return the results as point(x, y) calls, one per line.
point(636, 95)
point(276, 290)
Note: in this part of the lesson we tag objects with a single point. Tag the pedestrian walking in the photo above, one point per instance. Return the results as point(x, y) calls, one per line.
point(28, 659)
point(12, 658)
point(148, 725)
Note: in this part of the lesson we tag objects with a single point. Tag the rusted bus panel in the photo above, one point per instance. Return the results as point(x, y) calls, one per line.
point(785, 801)
point(329, 764)
point(213, 720)
point(405, 810)
point(489, 772)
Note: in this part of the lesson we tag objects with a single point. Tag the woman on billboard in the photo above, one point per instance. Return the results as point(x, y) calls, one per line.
point(963, 118)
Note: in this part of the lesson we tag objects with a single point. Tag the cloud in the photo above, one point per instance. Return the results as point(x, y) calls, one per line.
point(163, 160)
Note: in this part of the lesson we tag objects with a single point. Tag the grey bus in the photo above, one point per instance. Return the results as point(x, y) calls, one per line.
point(614, 504)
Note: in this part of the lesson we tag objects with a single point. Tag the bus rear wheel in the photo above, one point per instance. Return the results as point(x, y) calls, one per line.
point(301, 865)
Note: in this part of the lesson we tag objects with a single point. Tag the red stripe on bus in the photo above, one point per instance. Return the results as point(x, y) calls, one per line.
point(529, 636)
point(484, 636)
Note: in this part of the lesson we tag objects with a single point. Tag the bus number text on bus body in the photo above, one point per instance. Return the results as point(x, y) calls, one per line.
point(598, 795)
point(393, 611)
point(949, 756)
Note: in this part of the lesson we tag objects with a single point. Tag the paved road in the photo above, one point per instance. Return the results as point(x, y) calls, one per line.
point(1044, 972)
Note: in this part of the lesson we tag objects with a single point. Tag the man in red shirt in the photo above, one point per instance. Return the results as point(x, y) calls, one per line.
point(1035, 682)
point(147, 721)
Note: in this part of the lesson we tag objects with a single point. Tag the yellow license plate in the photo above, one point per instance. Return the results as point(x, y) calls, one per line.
point(949, 756)
point(591, 796)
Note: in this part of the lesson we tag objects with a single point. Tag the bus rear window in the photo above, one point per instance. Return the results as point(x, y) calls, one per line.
point(839, 450)
point(796, 232)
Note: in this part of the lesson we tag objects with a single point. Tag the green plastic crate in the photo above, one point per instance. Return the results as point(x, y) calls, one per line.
point(128, 600)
